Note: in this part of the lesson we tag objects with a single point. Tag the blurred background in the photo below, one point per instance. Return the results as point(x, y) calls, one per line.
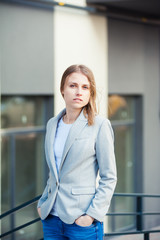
point(120, 41)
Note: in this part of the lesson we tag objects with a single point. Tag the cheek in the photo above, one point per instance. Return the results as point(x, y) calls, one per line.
point(88, 96)
point(66, 93)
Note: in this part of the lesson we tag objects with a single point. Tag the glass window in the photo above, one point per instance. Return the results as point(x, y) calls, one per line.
point(23, 167)
point(5, 172)
point(120, 108)
point(22, 112)
point(122, 114)
point(28, 166)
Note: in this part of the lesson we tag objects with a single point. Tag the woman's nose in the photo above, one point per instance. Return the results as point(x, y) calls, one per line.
point(79, 92)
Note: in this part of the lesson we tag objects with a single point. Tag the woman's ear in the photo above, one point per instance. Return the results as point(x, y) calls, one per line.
point(62, 92)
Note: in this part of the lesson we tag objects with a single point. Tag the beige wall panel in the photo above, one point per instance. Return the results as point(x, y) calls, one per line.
point(80, 38)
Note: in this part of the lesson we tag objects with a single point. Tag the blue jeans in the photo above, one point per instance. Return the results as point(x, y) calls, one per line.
point(55, 229)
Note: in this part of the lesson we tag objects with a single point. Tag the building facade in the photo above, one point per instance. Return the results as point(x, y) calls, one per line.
point(37, 43)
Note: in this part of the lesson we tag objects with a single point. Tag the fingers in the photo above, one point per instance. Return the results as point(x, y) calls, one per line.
point(39, 212)
point(84, 221)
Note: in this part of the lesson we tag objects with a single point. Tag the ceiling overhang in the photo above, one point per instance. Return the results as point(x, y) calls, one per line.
point(138, 8)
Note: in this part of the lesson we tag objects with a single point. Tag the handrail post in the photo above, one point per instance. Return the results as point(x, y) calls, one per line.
point(139, 218)
point(113, 218)
point(12, 226)
point(146, 236)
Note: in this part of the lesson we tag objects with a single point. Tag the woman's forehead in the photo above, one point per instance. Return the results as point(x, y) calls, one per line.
point(77, 77)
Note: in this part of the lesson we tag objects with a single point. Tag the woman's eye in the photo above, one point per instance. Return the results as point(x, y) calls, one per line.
point(72, 85)
point(85, 87)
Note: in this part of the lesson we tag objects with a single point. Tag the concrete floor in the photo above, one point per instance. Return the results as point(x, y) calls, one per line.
point(153, 236)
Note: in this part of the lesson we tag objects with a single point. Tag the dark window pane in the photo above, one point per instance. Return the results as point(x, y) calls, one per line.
point(122, 115)
point(5, 173)
point(124, 156)
point(5, 182)
point(23, 168)
point(29, 166)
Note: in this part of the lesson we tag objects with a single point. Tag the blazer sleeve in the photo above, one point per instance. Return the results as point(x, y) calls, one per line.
point(45, 192)
point(107, 172)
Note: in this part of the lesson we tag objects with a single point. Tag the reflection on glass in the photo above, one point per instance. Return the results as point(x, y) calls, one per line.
point(31, 232)
point(29, 175)
point(124, 156)
point(121, 113)
point(28, 166)
point(22, 161)
point(22, 111)
point(5, 173)
point(120, 108)
point(5, 181)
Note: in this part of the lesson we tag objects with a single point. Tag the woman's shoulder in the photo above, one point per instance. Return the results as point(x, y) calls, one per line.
point(56, 118)
point(104, 125)
point(51, 121)
point(101, 119)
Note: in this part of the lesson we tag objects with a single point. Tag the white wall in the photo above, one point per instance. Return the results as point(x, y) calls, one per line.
point(81, 3)
point(80, 38)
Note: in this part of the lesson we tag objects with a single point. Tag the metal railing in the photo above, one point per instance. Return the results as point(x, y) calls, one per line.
point(139, 213)
point(13, 210)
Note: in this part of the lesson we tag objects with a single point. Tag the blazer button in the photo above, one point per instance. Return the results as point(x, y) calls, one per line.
point(57, 184)
point(49, 190)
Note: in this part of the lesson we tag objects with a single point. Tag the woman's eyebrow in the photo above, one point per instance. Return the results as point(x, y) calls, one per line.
point(83, 84)
point(72, 82)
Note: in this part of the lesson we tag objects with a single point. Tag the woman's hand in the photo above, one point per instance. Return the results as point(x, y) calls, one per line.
point(39, 211)
point(84, 221)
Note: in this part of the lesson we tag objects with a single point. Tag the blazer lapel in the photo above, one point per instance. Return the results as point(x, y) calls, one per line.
point(75, 131)
point(51, 139)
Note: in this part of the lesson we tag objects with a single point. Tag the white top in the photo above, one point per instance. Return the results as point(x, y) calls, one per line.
point(60, 140)
point(59, 143)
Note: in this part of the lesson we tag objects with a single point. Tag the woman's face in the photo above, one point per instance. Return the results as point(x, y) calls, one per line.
point(76, 91)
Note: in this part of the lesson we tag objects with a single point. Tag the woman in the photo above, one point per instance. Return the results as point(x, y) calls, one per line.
point(78, 144)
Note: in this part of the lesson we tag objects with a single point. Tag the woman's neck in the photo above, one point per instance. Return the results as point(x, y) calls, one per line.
point(71, 116)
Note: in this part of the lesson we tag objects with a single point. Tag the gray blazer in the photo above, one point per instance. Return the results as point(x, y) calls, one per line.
point(87, 150)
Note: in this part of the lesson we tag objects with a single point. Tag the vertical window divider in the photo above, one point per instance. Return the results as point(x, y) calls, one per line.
point(12, 181)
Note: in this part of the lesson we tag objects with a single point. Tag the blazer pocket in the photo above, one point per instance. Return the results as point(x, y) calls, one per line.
point(83, 191)
point(82, 138)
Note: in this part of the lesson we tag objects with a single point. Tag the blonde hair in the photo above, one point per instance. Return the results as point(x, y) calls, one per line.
point(90, 109)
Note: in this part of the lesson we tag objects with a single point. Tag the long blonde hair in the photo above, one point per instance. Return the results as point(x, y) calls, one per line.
point(90, 109)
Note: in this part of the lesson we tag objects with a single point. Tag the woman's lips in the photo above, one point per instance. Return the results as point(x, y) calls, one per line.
point(78, 99)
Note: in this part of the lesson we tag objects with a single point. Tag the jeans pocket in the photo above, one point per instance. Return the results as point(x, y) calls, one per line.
point(90, 226)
